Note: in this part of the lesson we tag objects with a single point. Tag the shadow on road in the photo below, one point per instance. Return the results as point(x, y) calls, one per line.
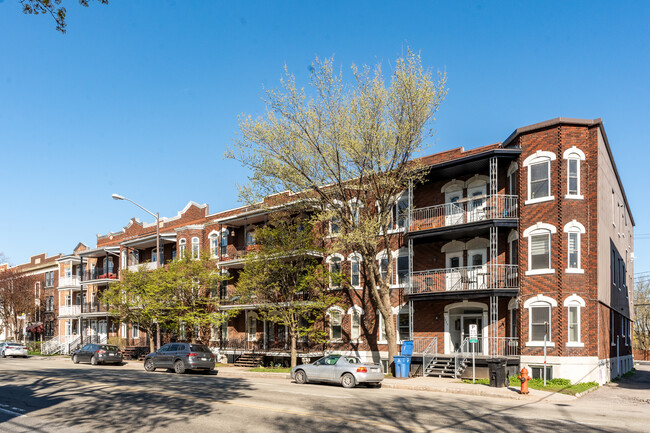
point(116, 399)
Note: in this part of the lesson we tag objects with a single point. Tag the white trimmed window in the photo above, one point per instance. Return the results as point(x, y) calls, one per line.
point(355, 270)
point(355, 209)
point(355, 322)
point(384, 264)
point(399, 212)
point(336, 323)
point(214, 244)
point(512, 178)
point(573, 157)
point(123, 330)
point(251, 327)
point(402, 266)
point(124, 257)
point(195, 248)
point(539, 176)
point(181, 247)
point(539, 248)
point(135, 331)
point(573, 304)
point(334, 262)
point(540, 320)
point(403, 327)
point(381, 333)
point(574, 231)
point(224, 242)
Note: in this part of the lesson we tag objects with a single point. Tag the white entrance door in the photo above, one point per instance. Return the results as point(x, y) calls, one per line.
point(476, 204)
point(453, 209)
point(93, 328)
point(454, 270)
point(101, 329)
point(477, 272)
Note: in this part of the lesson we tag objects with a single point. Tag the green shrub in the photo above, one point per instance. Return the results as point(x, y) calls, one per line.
point(117, 341)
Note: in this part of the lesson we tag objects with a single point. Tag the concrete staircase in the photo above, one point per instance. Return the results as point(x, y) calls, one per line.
point(250, 360)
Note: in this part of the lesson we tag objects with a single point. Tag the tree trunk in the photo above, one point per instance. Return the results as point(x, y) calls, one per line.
point(294, 352)
point(152, 346)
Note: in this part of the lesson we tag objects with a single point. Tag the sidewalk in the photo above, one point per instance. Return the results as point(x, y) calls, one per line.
point(428, 384)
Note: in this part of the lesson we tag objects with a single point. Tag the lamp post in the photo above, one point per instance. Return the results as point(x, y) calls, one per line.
point(155, 215)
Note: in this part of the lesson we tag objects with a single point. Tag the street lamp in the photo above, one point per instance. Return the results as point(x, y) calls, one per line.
point(155, 215)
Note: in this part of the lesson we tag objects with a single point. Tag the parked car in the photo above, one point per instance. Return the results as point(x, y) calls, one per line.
point(97, 354)
point(349, 371)
point(9, 348)
point(181, 357)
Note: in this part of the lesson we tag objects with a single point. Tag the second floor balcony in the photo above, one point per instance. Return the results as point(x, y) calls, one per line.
point(465, 211)
point(101, 274)
point(69, 310)
point(463, 279)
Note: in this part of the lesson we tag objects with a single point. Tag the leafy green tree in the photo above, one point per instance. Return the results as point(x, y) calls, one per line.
point(139, 298)
point(53, 8)
point(287, 280)
point(348, 148)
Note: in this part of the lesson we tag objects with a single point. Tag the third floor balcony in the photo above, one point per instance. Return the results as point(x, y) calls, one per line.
point(466, 278)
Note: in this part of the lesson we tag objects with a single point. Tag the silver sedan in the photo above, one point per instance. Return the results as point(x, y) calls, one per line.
point(349, 371)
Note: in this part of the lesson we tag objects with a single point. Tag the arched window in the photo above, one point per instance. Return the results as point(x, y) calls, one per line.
point(335, 275)
point(540, 320)
point(214, 244)
point(182, 247)
point(195, 248)
point(574, 230)
point(336, 323)
point(573, 304)
point(399, 213)
point(539, 176)
point(384, 264)
point(355, 270)
point(355, 322)
point(573, 157)
point(539, 248)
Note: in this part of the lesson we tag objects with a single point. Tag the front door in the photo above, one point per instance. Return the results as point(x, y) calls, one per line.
point(477, 272)
point(93, 328)
point(101, 329)
point(473, 320)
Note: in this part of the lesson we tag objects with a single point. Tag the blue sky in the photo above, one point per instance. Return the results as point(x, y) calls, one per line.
point(141, 98)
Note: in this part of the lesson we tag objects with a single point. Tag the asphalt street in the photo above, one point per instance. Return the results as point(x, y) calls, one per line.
point(54, 395)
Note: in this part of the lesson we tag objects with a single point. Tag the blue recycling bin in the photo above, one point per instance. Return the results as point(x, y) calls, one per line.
point(407, 348)
point(399, 365)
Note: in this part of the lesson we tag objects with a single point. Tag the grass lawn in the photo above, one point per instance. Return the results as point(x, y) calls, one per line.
point(562, 386)
point(271, 369)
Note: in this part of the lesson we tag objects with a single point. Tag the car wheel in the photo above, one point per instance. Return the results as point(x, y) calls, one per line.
point(75, 359)
point(300, 377)
point(93, 360)
point(179, 367)
point(347, 380)
point(149, 366)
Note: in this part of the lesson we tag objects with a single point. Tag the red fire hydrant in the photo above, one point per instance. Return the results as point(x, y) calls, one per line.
point(524, 378)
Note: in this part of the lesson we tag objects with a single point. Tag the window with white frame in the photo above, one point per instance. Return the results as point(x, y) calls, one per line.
point(355, 323)
point(402, 267)
point(182, 247)
point(355, 209)
point(252, 327)
point(214, 244)
point(513, 308)
point(250, 238)
point(574, 231)
point(355, 270)
point(224, 242)
point(135, 331)
point(539, 248)
point(540, 320)
point(123, 330)
point(384, 264)
point(195, 248)
point(574, 303)
point(124, 259)
point(336, 323)
point(539, 176)
point(381, 332)
point(403, 326)
point(399, 212)
point(573, 157)
point(335, 225)
point(335, 276)
point(512, 178)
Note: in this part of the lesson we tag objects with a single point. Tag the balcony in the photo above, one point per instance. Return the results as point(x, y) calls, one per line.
point(149, 266)
point(94, 307)
point(466, 211)
point(69, 281)
point(464, 279)
point(69, 310)
point(100, 274)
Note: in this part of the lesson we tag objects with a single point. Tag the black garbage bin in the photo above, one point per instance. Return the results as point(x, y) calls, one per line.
point(497, 371)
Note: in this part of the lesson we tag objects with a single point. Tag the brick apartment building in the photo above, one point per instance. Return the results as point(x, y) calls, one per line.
point(531, 240)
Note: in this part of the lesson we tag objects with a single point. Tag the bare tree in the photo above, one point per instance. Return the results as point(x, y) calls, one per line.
point(642, 315)
point(52, 8)
point(17, 297)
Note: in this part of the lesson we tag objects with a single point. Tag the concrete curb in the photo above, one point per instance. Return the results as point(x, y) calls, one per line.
point(589, 391)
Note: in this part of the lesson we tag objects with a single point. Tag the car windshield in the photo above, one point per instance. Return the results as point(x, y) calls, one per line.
point(199, 348)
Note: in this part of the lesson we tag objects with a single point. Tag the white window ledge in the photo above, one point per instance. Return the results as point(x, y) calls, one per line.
point(574, 197)
point(539, 344)
point(540, 272)
point(382, 342)
point(574, 271)
point(575, 344)
point(539, 200)
point(336, 341)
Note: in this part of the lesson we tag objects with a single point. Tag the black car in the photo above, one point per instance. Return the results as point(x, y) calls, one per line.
point(181, 357)
point(98, 354)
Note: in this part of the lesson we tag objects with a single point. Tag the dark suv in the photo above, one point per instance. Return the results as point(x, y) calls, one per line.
point(181, 357)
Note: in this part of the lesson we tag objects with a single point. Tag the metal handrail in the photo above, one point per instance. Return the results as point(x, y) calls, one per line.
point(429, 353)
point(460, 352)
point(469, 210)
point(465, 278)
